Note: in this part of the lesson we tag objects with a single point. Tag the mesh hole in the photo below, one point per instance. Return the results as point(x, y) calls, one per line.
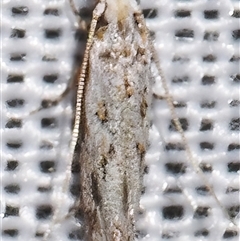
point(78, 214)
point(229, 234)
point(209, 58)
point(173, 212)
point(47, 166)
point(233, 166)
point(208, 80)
point(12, 188)
point(11, 165)
point(49, 58)
point(75, 166)
point(140, 234)
point(81, 35)
point(233, 147)
point(182, 13)
point(234, 124)
point(174, 147)
point(50, 78)
point(203, 232)
point(234, 103)
point(11, 211)
point(10, 232)
point(143, 190)
point(235, 58)
point(203, 190)
point(232, 190)
point(14, 144)
point(201, 212)
point(78, 58)
point(206, 125)
point(233, 211)
point(75, 190)
point(15, 103)
point(152, 35)
point(49, 123)
point(172, 190)
point(211, 14)
point(211, 36)
point(14, 78)
point(18, 33)
point(39, 234)
point(48, 103)
point(20, 11)
point(44, 212)
point(184, 34)
point(179, 104)
point(44, 189)
point(180, 59)
point(208, 104)
point(206, 146)
point(17, 57)
point(175, 168)
point(236, 14)
point(180, 80)
point(52, 33)
point(235, 78)
point(46, 145)
point(236, 34)
point(14, 123)
point(206, 167)
point(51, 11)
point(77, 234)
point(170, 234)
point(150, 13)
point(86, 13)
point(146, 170)
point(183, 122)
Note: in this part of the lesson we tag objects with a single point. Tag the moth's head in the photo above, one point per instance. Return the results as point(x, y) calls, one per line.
point(118, 10)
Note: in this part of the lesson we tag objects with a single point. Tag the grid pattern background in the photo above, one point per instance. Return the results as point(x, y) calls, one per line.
point(198, 45)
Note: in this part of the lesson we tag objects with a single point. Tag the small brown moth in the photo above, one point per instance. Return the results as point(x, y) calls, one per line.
point(112, 120)
point(115, 93)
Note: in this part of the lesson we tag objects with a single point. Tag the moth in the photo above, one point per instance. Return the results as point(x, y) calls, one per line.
point(114, 98)
point(112, 120)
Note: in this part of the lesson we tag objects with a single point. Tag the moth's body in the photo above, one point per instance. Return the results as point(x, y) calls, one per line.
point(115, 125)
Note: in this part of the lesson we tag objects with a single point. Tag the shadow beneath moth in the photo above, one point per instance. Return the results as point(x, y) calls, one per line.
point(112, 120)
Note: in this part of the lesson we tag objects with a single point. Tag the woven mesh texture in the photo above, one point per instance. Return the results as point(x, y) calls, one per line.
point(198, 46)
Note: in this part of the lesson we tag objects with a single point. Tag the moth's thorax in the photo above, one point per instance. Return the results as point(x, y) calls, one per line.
point(118, 10)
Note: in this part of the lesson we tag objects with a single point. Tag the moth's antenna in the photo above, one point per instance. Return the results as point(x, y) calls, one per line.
point(169, 99)
point(183, 137)
point(97, 12)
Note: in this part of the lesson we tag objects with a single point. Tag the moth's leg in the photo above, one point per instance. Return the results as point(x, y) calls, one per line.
point(192, 160)
point(139, 18)
point(159, 97)
point(50, 103)
point(145, 34)
point(47, 103)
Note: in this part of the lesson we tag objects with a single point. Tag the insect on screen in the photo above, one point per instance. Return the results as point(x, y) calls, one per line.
point(191, 192)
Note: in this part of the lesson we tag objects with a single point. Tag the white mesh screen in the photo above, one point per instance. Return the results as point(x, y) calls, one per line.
point(198, 45)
